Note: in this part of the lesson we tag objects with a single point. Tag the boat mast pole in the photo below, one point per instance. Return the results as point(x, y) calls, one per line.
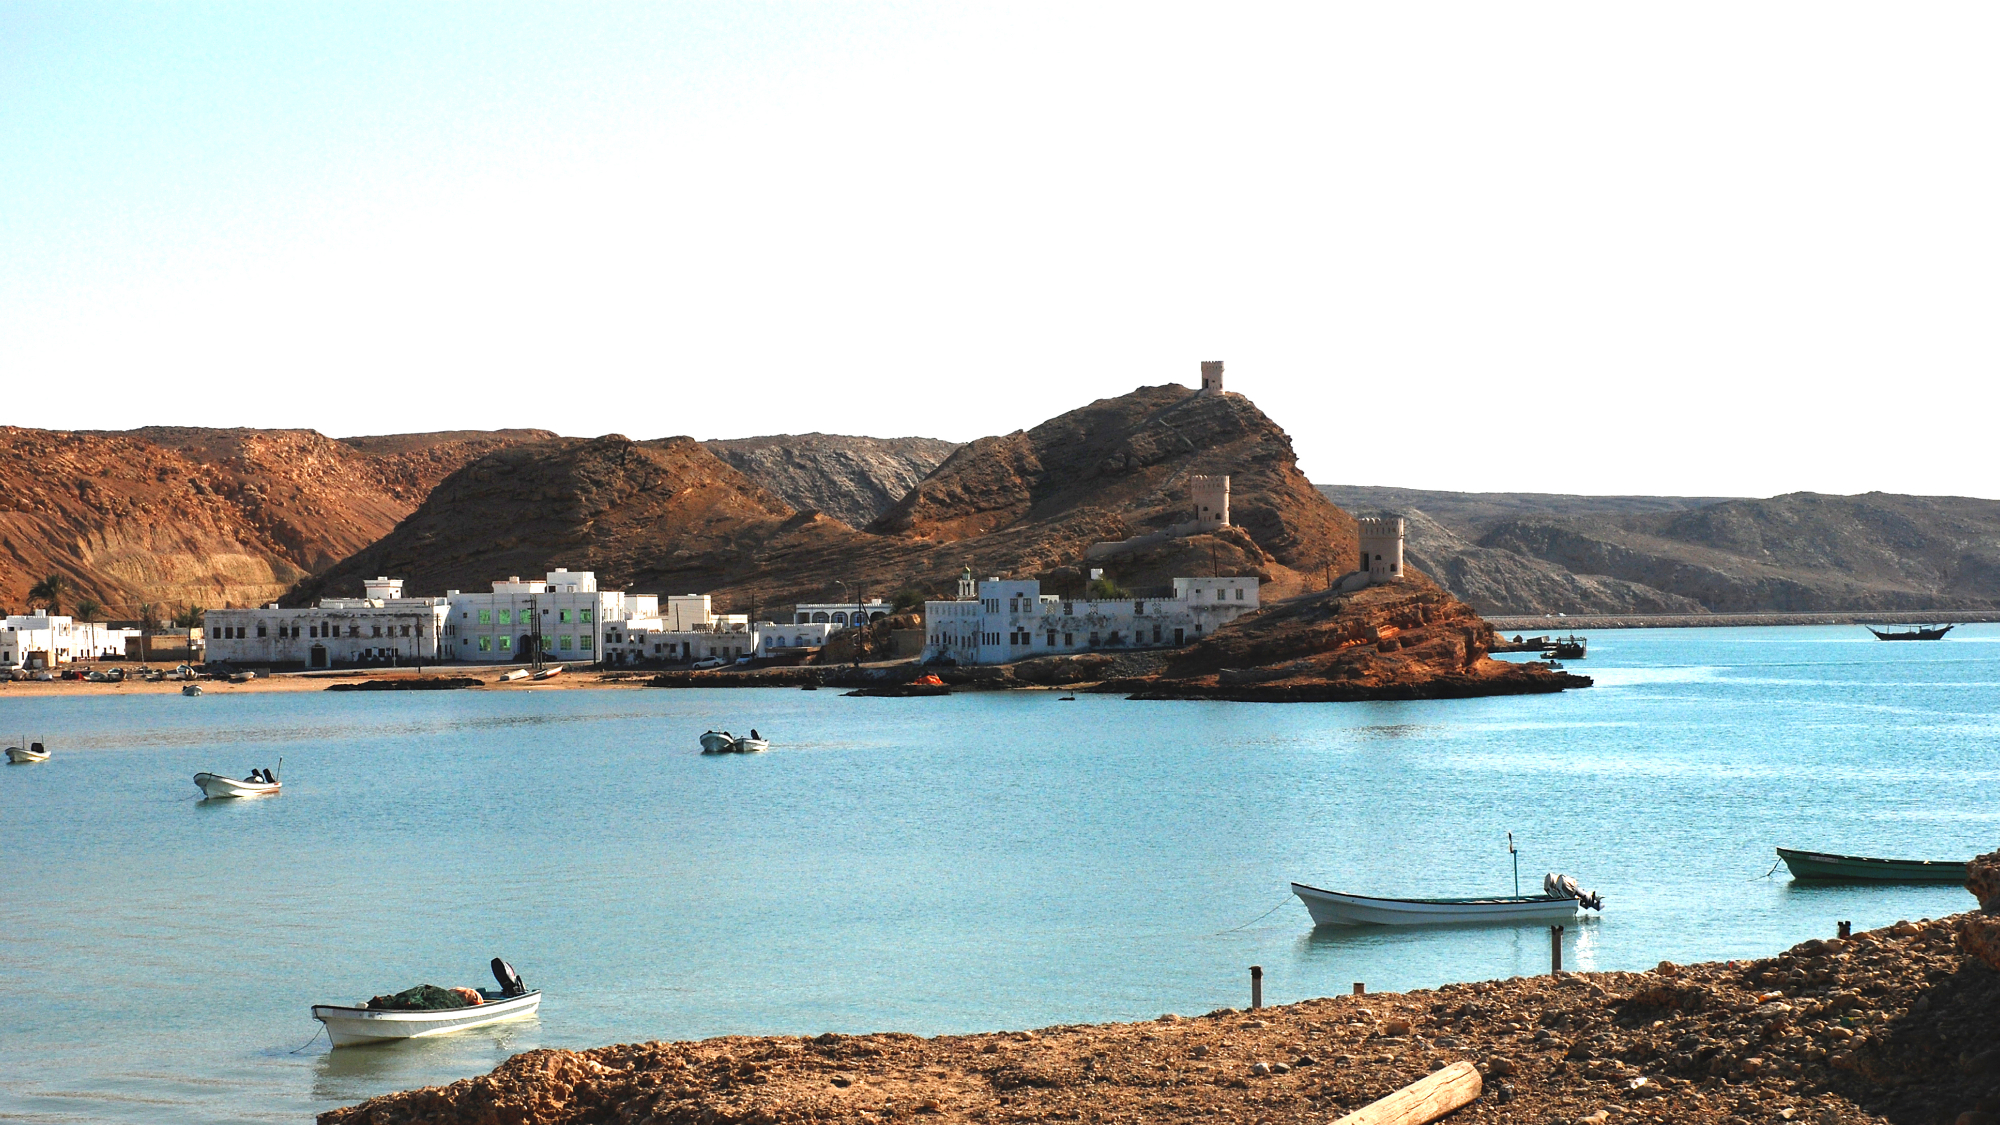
point(1517, 864)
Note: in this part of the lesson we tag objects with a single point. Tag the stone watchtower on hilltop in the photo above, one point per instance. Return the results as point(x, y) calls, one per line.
point(1211, 377)
point(1382, 548)
point(1211, 501)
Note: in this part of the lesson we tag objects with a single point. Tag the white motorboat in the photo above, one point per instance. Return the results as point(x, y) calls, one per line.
point(722, 742)
point(361, 1024)
point(1336, 908)
point(30, 752)
point(190, 689)
point(516, 674)
point(219, 785)
point(549, 673)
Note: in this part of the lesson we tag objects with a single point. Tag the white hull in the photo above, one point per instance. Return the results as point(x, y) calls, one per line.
point(1332, 908)
point(348, 1026)
point(752, 745)
point(22, 754)
point(190, 689)
point(716, 742)
point(216, 785)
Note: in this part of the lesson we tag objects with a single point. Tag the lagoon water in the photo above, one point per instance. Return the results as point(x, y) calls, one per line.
point(978, 862)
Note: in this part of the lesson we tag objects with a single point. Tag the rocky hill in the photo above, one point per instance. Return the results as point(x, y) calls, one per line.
point(670, 516)
point(852, 479)
point(1518, 553)
point(184, 516)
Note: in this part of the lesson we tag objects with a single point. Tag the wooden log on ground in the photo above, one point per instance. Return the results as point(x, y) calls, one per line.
point(1422, 1101)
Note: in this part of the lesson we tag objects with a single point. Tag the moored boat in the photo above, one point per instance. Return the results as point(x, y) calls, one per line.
point(751, 745)
point(717, 742)
point(1910, 632)
point(221, 785)
point(1337, 908)
point(364, 1023)
point(1855, 868)
point(190, 689)
point(549, 673)
point(27, 752)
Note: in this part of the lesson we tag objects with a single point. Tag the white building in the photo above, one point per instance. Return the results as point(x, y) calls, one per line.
point(841, 613)
point(382, 628)
point(999, 620)
point(42, 640)
point(565, 608)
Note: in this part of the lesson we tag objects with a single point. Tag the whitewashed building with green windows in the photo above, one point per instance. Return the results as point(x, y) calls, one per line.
point(564, 611)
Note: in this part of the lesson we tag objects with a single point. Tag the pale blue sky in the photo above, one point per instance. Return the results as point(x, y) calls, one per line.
point(1716, 248)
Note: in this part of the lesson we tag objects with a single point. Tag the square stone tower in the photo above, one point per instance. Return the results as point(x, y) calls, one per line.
point(1211, 502)
point(1382, 548)
point(1211, 376)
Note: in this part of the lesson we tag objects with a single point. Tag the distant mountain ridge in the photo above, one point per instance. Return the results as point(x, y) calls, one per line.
point(852, 479)
point(1515, 553)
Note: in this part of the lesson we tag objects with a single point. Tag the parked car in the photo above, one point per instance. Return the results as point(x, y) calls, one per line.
point(710, 662)
point(745, 659)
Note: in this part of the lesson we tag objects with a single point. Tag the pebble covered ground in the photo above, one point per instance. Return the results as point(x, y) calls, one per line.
point(1893, 1025)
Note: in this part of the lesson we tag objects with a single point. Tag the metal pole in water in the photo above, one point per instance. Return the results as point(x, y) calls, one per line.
point(1256, 987)
point(1555, 950)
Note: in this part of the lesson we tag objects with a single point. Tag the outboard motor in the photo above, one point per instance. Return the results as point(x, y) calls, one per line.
point(1562, 886)
point(510, 981)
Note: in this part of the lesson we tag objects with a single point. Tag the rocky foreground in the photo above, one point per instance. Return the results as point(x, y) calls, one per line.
point(1895, 1025)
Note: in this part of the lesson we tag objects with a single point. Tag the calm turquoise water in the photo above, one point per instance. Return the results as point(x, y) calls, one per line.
point(977, 862)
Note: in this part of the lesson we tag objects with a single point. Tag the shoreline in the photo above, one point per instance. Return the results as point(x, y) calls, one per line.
point(1889, 1026)
point(1511, 623)
point(321, 681)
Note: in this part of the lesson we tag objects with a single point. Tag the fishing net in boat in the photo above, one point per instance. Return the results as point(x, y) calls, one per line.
point(423, 998)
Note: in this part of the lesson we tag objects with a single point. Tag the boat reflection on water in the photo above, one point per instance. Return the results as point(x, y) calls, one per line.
point(1500, 949)
point(354, 1074)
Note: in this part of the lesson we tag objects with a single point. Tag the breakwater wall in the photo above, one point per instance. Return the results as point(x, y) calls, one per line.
point(1551, 624)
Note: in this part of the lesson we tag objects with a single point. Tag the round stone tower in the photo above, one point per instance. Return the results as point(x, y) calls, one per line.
point(1211, 502)
point(1382, 548)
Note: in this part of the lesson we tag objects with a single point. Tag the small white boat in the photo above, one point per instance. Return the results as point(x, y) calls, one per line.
point(516, 674)
point(362, 1024)
point(722, 742)
point(549, 673)
point(32, 752)
point(190, 689)
point(219, 785)
point(1336, 908)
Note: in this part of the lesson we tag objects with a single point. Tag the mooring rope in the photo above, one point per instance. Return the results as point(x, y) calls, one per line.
point(1254, 921)
point(314, 1039)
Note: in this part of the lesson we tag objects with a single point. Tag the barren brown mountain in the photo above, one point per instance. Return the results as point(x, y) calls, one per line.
point(184, 516)
point(668, 516)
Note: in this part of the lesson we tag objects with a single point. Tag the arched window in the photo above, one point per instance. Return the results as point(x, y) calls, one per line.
point(799, 641)
point(874, 616)
point(821, 618)
point(840, 617)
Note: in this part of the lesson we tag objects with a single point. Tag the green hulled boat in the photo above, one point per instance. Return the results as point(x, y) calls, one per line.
point(1819, 865)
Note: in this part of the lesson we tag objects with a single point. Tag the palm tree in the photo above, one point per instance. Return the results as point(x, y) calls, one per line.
point(52, 590)
point(189, 617)
point(87, 610)
point(149, 620)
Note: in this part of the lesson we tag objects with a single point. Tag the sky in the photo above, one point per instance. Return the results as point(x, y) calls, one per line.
point(1698, 249)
